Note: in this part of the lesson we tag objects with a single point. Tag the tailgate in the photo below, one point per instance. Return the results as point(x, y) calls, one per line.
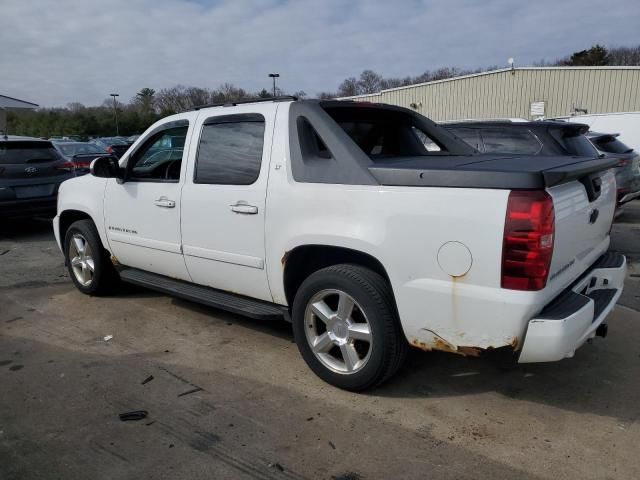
point(584, 211)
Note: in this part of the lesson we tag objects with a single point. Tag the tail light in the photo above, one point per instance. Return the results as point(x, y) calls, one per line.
point(624, 162)
point(528, 240)
point(82, 164)
point(66, 166)
point(109, 149)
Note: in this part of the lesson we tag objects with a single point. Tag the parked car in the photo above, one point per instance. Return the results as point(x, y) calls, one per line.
point(628, 167)
point(539, 138)
point(31, 171)
point(116, 146)
point(368, 226)
point(81, 154)
point(627, 124)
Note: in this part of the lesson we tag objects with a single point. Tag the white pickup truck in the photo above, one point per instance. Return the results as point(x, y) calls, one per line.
point(368, 226)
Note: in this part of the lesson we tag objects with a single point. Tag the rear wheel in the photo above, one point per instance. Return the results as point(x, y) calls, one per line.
point(346, 327)
point(88, 262)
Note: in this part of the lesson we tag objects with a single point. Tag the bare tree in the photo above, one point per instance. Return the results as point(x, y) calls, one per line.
point(624, 56)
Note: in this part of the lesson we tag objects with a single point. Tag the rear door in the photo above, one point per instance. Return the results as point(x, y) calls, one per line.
point(223, 200)
point(142, 215)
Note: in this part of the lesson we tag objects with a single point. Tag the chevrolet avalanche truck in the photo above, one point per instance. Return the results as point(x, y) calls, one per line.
point(368, 226)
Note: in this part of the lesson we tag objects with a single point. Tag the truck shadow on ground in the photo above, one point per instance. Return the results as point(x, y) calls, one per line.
point(600, 379)
point(38, 229)
point(233, 427)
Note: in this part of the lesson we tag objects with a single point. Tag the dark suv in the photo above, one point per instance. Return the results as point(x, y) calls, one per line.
point(547, 138)
point(31, 170)
point(628, 168)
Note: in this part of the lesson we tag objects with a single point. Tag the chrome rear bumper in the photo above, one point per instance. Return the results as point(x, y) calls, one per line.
point(574, 316)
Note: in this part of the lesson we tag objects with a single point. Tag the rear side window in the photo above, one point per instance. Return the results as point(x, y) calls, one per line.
point(27, 152)
point(513, 141)
point(579, 145)
point(230, 150)
point(611, 144)
point(468, 135)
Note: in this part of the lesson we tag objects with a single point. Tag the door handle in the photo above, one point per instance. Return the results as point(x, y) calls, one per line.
point(244, 208)
point(164, 202)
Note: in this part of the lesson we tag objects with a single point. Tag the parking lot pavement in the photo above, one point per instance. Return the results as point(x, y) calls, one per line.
point(254, 409)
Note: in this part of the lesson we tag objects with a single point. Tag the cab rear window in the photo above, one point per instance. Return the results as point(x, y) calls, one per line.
point(382, 133)
point(27, 152)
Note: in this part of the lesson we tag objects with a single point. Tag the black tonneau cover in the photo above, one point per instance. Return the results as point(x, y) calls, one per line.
point(486, 171)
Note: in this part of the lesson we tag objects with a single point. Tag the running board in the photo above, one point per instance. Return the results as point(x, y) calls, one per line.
point(211, 297)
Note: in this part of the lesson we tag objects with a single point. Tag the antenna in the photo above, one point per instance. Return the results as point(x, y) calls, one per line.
point(513, 68)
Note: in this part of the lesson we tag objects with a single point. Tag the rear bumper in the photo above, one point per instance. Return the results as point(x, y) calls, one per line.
point(573, 317)
point(28, 207)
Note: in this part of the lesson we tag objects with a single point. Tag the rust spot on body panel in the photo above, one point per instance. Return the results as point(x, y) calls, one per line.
point(464, 350)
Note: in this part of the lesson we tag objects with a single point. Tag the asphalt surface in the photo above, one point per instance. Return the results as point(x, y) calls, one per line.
point(231, 397)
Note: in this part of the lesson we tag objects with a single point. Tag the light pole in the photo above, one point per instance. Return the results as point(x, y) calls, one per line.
point(115, 109)
point(274, 76)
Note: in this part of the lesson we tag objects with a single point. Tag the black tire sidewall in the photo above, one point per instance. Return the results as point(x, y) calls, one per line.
point(87, 229)
point(378, 313)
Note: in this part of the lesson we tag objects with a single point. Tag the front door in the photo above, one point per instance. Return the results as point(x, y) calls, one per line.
point(142, 215)
point(223, 201)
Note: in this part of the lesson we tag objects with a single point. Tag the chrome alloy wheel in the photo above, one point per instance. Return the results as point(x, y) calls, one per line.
point(338, 331)
point(81, 259)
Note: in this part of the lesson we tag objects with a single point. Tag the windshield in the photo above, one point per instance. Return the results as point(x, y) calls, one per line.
point(112, 141)
point(27, 152)
point(71, 149)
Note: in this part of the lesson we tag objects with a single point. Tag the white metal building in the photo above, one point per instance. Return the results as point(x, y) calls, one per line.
point(523, 92)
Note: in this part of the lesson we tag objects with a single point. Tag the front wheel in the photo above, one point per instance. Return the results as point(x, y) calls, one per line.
point(346, 327)
point(88, 262)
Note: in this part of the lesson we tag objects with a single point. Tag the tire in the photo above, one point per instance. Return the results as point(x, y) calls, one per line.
point(102, 278)
point(319, 320)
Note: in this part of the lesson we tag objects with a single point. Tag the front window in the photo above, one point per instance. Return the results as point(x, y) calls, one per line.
point(160, 157)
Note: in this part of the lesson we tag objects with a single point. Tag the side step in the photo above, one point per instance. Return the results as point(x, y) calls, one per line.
point(211, 297)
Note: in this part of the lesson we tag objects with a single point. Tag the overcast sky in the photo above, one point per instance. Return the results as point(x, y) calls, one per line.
point(53, 52)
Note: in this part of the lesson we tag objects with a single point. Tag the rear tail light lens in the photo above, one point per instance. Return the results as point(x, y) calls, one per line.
point(624, 162)
point(82, 164)
point(66, 166)
point(528, 240)
point(109, 149)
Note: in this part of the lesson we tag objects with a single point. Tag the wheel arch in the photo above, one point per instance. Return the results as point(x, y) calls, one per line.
point(68, 217)
point(303, 260)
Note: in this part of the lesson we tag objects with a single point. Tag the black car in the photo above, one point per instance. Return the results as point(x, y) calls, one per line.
point(116, 146)
point(80, 153)
point(508, 137)
point(31, 170)
point(628, 168)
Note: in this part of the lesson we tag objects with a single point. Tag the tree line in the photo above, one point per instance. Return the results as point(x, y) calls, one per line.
point(149, 105)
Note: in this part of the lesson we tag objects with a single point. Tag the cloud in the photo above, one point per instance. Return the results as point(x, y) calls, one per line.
point(53, 53)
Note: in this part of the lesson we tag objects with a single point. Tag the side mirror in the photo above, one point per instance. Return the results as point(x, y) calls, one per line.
point(106, 167)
